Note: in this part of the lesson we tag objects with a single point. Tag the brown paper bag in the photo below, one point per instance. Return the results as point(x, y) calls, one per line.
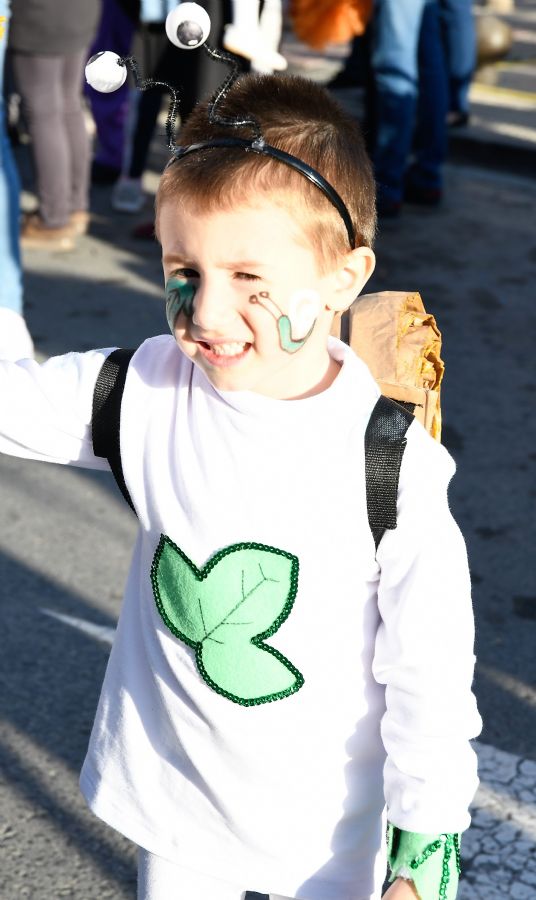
point(401, 344)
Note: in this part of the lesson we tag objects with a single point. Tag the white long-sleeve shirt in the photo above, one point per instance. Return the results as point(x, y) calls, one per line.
point(268, 762)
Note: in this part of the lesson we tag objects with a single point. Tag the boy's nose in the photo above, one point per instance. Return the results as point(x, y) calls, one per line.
point(213, 311)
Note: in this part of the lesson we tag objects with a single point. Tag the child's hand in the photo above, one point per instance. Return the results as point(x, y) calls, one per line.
point(401, 890)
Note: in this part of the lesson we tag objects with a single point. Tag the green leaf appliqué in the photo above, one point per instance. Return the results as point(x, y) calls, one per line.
point(226, 610)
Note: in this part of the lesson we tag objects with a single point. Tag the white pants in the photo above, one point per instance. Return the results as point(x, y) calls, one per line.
point(159, 879)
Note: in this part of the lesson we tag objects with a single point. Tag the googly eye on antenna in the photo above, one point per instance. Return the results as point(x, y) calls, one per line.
point(188, 26)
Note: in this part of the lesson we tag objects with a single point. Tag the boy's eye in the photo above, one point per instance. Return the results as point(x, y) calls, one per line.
point(246, 276)
point(185, 273)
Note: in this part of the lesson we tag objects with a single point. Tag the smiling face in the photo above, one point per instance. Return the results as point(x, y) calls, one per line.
point(246, 301)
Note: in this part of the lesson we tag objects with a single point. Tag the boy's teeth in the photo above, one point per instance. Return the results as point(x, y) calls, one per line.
point(228, 349)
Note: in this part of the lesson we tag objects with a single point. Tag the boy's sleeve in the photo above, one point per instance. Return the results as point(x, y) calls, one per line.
point(45, 410)
point(424, 651)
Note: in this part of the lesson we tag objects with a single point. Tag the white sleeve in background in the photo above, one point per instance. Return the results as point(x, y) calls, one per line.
point(424, 651)
point(45, 410)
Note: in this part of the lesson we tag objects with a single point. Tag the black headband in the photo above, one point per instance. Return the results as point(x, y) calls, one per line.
point(258, 145)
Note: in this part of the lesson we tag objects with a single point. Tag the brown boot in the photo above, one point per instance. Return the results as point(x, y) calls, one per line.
point(36, 235)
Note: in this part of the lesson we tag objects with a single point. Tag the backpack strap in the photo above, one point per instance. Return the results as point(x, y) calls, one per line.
point(106, 414)
point(385, 442)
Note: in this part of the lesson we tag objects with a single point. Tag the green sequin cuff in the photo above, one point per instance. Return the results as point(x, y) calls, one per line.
point(431, 861)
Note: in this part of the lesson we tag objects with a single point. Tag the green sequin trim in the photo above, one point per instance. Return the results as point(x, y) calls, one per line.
point(226, 610)
point(449, 843)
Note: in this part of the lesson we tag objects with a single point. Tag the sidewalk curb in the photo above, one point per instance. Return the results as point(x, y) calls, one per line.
point(500, 156)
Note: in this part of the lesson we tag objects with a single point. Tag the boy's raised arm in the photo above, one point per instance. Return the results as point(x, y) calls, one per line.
point(45, 410)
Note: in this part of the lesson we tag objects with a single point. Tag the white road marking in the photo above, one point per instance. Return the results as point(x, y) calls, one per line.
point(99, 632)
point(520, 689)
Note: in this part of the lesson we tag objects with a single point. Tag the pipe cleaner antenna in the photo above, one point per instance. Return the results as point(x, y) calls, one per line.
point(107, 72)
point(143, 84)
point(188, 26)
point(214, 116)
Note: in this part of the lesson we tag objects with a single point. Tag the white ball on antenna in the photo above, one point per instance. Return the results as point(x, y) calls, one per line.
point(188, 26)
point(105, 72)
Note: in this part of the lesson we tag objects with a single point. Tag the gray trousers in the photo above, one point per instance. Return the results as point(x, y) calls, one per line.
point(50, 88)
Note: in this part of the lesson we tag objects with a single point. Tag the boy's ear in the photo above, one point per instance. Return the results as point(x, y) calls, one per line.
point(350, 277)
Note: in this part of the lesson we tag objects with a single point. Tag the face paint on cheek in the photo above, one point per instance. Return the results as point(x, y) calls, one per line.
point(296, 327)
point(303, 311)
point(179, 298)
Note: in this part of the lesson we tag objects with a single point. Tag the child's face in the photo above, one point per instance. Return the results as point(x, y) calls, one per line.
point(245, 299)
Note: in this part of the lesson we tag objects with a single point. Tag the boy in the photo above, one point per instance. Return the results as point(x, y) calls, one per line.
point(272, 674)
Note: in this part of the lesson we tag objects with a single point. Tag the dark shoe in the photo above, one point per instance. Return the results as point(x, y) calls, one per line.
point(343, 79)
point(388, 209)
point(13, 135)
point(457, 119)
point(103, 174)
point(144, 232)
point(422, 196)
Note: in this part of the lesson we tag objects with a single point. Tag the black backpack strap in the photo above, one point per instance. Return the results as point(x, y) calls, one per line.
point(106, 416)
point(385, 442)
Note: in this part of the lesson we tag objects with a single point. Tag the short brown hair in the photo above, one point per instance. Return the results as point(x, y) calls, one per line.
point(301, 118)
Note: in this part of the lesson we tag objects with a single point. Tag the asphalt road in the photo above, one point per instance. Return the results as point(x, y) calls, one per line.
point(66, 534)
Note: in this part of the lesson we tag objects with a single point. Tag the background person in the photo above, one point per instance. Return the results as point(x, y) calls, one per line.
point(15, 341)
point(197, 76)
point(118, 23)
point(192, 71)
point(459, 36)
point(254, 32)
point(407, 103)
point(49, 40)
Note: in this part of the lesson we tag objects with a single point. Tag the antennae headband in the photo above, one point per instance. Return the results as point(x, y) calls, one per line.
point(259, 146)
point(188, 26)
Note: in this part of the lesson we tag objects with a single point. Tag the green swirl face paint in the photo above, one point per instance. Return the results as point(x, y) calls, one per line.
point(303, 312)
point(180, 295)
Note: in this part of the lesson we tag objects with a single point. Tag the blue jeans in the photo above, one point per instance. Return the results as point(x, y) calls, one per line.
point(459, 36)
point(10, 266)
point(410, 96)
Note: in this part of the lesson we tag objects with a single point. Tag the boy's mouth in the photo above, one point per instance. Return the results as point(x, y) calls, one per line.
point(225, 352)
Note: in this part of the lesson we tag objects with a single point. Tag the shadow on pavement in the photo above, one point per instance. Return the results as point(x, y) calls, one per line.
point(51, 677)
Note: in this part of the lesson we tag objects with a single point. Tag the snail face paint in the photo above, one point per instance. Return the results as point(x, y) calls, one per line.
point(180, 295)
point(295, 327)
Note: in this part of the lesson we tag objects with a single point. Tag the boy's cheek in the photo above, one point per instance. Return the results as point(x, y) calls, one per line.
point(180, 334)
